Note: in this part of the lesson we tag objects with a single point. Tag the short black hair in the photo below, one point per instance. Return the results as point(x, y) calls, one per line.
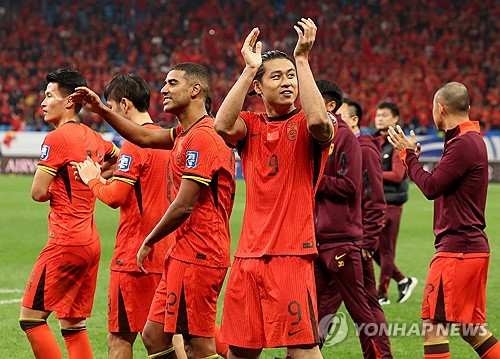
point(331, 92)
point(268, 56)
point(391, 106)
point(357, 109)
point(130, 86)
point(67, 80)
point(196, 72)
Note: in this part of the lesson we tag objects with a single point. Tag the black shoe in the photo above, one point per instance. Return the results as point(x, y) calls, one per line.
point(406, 289)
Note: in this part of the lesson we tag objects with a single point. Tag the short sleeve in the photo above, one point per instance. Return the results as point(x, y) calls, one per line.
point(110, 150)
point(129, 164)
point(54, 153)
point(200, 156)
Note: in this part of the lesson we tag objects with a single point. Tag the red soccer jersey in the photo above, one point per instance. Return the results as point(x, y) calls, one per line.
point(282, 164)
point(71, 216)
point(200, 154)
point(146, 170)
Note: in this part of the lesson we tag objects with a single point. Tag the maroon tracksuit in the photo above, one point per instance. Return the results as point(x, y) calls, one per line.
point(338, 268)
point(396, 193)
point(373, 211)
point(464, 169)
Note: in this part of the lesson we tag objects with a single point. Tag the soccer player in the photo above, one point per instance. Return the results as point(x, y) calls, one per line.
point(372, 212)
point(201, 182)
point(396, 193)
point(270, 300)
point(139, 188)
point(339, 229)
point(455, 291)
point(64, 276)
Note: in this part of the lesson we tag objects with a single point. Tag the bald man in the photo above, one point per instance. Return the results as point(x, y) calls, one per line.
point(455, 291)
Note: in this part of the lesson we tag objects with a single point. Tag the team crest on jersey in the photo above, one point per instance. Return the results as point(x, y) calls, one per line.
point(124, 163)
point(292, 129)
point(45, 152)
point(191, 159)
point(333, 118)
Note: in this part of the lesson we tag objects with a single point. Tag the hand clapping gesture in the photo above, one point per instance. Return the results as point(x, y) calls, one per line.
point(253, 59)
point(400, 141)
point(306, 36)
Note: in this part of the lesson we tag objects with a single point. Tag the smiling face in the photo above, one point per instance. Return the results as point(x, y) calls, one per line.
point(279, 85)
point(176, 92)
point(55, 105)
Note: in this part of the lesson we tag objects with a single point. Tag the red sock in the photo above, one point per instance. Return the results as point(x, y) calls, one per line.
point(493, 352)
point(221, 348)
point(43, 343)
point(78, 344)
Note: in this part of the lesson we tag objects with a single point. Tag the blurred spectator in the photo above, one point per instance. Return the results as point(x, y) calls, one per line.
point(378, 50)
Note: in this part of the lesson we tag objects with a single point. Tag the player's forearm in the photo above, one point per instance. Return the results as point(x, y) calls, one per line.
point(139, 135)
point(177, 214)
point(318, 122)
point(226, 123)
point(113, 194)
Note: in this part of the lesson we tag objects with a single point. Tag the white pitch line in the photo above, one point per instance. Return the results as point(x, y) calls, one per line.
point(2, 291)
point(9, 301)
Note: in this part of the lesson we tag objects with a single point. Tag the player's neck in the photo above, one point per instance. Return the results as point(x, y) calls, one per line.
point(453, 121)
point(65, 119)
point(276, 111)
point(191, 116)
point(141, 118)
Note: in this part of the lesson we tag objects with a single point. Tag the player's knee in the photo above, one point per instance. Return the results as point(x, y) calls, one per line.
point(69, 331)
point(27, 324)
point(121, 339)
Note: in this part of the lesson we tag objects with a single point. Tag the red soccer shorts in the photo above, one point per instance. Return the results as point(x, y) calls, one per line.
point(129, 298)
point(270, 302)
point(455, 290)
point(186, 298)
point(64, 280)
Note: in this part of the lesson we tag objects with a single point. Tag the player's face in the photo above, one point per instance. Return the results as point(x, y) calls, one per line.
point(279, 86)
point(384, 118)
point(55, 104)
point(176, 92)
point(348, 115)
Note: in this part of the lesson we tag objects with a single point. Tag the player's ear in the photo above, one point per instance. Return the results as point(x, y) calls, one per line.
point(124, 103)
point(330, 106)
point(257, 87)
point(196, 89)
point(69, 103)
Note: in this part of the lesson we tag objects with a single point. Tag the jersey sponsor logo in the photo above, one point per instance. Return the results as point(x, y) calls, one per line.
point(191, 159)
point(292, 129)
point(45, 152)
point(338, 257)
point(124, 163)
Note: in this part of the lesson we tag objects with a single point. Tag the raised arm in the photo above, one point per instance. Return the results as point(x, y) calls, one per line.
point(318, 123)
point(228, 123)
point(139, 135)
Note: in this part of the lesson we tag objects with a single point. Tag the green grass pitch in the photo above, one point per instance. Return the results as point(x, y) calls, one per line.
point(23, 225)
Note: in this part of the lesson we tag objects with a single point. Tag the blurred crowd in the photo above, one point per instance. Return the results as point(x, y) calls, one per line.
point(375, 50)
